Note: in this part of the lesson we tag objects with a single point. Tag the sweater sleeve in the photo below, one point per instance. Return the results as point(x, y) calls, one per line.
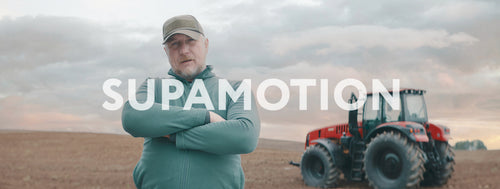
point(237, 135)
point(155, 122)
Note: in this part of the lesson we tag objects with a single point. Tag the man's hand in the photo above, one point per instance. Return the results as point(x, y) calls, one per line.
point(215, 117)
point(171, 137)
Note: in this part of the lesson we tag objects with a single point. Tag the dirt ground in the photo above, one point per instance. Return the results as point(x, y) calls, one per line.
point(87, 160)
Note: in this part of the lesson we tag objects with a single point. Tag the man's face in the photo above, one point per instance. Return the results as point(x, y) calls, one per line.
point(187, 55)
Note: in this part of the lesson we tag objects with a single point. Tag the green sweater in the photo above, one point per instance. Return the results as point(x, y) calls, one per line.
point(204, 155)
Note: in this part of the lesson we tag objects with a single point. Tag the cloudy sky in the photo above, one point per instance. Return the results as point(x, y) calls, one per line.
point(56, 55)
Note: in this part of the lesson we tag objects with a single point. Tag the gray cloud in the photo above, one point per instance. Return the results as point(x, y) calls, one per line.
point(354, 38)
point(391, 36)
point(60, 63)
point(28, 42)
point(451, 49)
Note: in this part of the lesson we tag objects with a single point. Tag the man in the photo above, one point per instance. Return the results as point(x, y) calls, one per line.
point(195, 148)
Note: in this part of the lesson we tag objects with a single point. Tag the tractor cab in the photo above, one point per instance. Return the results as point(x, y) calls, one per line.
point(411, 108)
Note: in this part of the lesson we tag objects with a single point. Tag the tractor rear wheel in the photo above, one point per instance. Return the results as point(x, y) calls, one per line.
point(391, 161)
point(439, 176)
point(318, 168)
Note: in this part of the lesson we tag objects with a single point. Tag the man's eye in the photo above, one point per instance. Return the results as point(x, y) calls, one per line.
point(174, 44)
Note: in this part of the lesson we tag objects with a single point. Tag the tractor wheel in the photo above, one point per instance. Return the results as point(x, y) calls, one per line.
point(439, 177)
point(318, 168)
point(391, 161)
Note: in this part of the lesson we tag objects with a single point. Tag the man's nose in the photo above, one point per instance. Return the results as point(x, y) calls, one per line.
point(184, 49)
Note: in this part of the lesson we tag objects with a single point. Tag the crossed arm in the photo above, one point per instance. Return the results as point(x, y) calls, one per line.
point(213, 117)
point(236, 135)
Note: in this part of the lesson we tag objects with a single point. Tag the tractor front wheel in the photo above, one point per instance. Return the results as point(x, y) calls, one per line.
point(391, 161)
point(440, 175)
point(318, 168)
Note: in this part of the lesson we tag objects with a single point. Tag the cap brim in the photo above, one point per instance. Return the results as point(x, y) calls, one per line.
point(193, 34)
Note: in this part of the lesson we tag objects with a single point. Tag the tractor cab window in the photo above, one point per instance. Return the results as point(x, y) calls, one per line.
point(371, 117)
point(390, 113)
point(415, 107)
point(368, 113)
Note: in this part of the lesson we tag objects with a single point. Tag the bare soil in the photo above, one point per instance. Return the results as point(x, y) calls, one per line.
point(89, 160)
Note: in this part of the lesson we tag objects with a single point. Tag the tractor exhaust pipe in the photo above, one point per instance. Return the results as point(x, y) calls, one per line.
point(353, 118)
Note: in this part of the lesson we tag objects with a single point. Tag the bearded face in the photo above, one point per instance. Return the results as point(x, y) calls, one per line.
point(187, 55)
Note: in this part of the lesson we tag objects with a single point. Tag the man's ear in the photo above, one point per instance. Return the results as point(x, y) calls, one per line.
point(206, 43)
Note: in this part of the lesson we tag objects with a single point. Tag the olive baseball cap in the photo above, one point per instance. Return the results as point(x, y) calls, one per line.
point(183, 24)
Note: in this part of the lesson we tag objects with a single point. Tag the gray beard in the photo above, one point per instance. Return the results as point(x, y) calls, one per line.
point(191, 75)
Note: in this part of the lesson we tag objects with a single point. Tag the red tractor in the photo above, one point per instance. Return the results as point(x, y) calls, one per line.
point(390, 147)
